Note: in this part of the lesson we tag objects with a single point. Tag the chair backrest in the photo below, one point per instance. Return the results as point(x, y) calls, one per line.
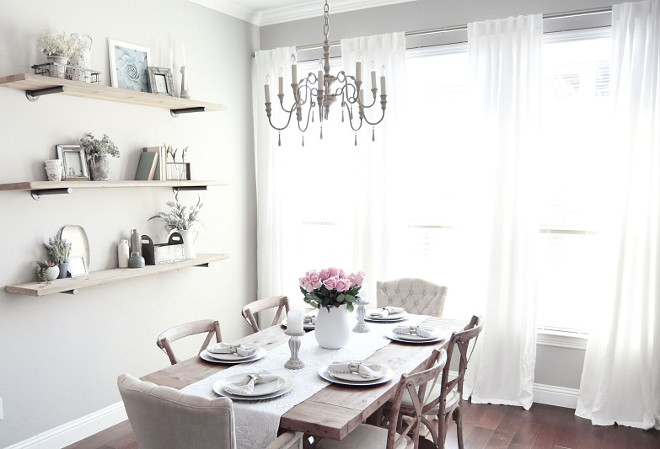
point(415, 295)
point(165, 418)
point(415, 385)
point(249, 311)
point(464, 341)
point(172, 334)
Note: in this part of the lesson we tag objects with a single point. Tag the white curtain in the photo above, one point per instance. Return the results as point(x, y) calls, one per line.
point(505, 66)
point(621, 374)
point(272, 234)
point(377, 225)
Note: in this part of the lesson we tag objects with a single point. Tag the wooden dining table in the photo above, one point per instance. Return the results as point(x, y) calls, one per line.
point(334, 411)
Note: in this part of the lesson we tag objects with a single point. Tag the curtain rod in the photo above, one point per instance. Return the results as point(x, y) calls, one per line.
point(560, 15)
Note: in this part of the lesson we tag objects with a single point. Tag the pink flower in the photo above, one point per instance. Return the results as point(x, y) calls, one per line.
point(324, 274)
point(333, 271)
point(343, 284)
point(330, 283)
point(304, 283)
point(342, 273)
point(356, 278)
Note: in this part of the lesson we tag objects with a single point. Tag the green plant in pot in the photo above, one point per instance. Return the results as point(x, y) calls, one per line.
point(181, 218)
point(98, 153)
point(47, 270)
point(58, 251)
point(58, 48)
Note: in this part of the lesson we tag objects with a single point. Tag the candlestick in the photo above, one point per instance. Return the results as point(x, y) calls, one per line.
point(373, 79)
point(382, 85)
point(294, 321)
point(358, 71)
point(294, 74)
point(361, 327)
point(294, 345)
point(267, 89)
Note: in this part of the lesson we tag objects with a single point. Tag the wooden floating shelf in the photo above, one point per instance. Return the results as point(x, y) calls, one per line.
point(70, 285)
point(36, 186)
point(31, 83)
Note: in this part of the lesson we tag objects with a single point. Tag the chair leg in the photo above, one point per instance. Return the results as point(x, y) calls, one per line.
point(458, 417)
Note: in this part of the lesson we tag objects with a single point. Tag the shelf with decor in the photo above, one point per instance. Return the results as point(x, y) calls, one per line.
point(71, 285)
point(38, 188)
point(37, 85)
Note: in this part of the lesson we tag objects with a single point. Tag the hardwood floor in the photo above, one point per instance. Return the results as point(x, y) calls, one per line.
point(484, 427)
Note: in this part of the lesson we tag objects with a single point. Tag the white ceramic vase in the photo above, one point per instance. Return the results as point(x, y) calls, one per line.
point(189, 239)
point(333, 327)
point(52, 273)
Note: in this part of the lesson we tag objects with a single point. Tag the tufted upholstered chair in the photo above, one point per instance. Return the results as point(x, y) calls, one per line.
point(165, 418)
point(415, 295)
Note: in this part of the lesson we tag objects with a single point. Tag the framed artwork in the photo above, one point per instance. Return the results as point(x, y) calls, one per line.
point(74, 163)
point(128, 66)
point(160, 81)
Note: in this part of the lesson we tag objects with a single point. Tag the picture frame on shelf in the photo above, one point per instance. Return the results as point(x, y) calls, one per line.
point(74, 162)
point(128, 65)
point(161, 81)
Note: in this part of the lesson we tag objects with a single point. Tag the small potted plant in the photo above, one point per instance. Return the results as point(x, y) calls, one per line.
point(98, 152)
point(181, 218)
point(47, 271)
point(57, 251)
point(58, 49)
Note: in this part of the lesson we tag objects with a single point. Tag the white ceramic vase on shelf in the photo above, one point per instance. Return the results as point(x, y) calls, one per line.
point(189, 239)
point(333, 327)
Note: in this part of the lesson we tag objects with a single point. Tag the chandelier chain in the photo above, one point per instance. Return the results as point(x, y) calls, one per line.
point(326, 18)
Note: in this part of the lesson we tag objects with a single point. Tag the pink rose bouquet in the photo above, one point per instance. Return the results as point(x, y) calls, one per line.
point(331, 287)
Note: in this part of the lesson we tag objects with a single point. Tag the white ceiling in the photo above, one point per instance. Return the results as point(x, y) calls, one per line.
point(269, 12)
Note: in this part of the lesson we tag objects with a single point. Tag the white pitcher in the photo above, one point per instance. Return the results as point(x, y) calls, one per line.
point(189, 239)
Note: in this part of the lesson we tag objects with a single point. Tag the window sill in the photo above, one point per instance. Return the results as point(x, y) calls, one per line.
point(561, 339)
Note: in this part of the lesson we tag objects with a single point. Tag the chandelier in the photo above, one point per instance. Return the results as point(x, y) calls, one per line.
point(319, 90)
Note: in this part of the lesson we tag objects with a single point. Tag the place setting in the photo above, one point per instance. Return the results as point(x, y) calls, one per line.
point(309, 320)
point(227, 353)
point(356, 373)
point(388, 314)
point(415, 334)
point(253, 386)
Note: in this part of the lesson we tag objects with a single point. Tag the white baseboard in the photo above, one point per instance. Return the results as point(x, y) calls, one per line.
point(76, 430)
point(553, 395)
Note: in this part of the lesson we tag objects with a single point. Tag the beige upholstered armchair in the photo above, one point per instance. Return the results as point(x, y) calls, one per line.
point(165, 418)
point(415, 295)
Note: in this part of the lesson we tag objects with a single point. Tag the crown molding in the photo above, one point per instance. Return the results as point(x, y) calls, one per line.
point(299, 11)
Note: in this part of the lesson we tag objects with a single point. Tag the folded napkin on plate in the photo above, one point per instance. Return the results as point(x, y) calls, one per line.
point(310, 319)
point(353, 367)
point(386, 311)
point(421, 331)
point(246, 385)
point(226, 348)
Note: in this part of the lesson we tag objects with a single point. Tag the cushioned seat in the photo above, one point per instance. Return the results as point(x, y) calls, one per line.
point(365, 436)
point(415, 295)
point(452, 397)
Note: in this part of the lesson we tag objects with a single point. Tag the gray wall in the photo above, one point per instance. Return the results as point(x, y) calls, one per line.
point(60, 355)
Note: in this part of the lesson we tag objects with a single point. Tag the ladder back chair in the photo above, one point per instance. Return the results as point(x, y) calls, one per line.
point(444, 400)
point(367, 436)
point(175, 333)
point(415, 295)
point(249, 311)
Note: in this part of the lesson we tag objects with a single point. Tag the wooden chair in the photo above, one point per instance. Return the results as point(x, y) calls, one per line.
point(415, 295)
point(183, 330)
point(367, 436)
point(165, 418)
point(248, 312)
point(444, 400)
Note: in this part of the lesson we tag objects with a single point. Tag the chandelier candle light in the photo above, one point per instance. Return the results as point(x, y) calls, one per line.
point(317, 90)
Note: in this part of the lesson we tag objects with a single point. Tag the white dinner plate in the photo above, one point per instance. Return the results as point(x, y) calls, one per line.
point(261, 352)
point(218, 390)
point(391, 318)
point(259, 389)
point(230, 357)
point(323, 372)
point(413, 338)
point(381, 370)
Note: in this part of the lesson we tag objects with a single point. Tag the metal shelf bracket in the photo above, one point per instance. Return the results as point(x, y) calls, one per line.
point(175, 112)
point(33, 95)
point(192, 188)
point(36, 194)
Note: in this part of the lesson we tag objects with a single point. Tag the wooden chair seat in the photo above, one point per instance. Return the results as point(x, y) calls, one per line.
point(452, 398)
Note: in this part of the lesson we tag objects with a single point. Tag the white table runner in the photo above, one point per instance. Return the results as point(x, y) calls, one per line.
point(256, 423)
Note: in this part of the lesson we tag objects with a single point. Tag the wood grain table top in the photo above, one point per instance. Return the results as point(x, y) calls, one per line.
point(332, 412)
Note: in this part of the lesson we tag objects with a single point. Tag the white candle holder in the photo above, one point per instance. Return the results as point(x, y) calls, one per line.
point(294, 345)
point(361, 327)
